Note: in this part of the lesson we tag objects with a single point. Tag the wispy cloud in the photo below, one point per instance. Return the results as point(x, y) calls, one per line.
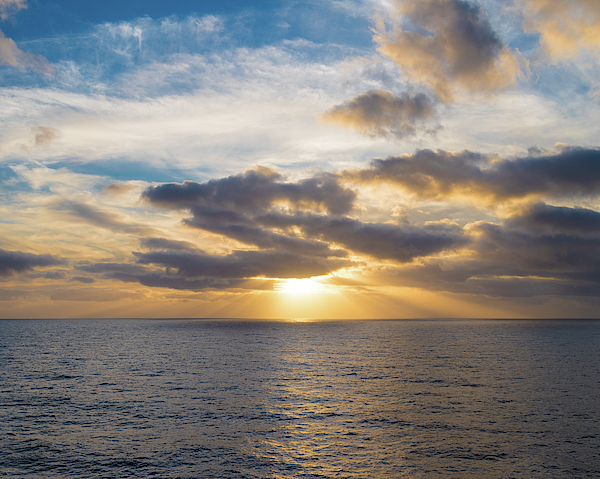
point(102, 219)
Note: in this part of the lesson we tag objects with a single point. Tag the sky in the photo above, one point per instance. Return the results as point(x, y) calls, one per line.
point(300, 159)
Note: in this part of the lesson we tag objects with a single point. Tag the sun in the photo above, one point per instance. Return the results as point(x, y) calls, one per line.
point(298, 286)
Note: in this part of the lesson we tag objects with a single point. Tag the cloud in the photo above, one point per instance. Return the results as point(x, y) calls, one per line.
point(441, 175)
point(566, 26)
point(241, 264)
point(43, 135)
point(12, 295)
point(83, 279)
point(243, 229)
point(197, 271)
point(537, 251)
point(9, 7)
point(543, 251)
point(11, 55)
point(147, 276)
point(54, 275)
point(117, 189)
point(450, 46)
point(102, 219)
point(558, 218)
point(378, 113)
point(320, 233)
point(173, 245)
point(464, 278)
point(92, 294)
point(247, 208)
point(15, 262)
point(109, 269)
point(160, 280)
point(255, 190)
point(382, 241)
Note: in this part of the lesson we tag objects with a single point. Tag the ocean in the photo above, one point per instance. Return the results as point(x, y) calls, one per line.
point(284, 399)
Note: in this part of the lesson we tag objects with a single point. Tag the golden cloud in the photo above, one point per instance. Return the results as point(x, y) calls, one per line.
point(10, 7)
point(11, 54)
point(451, 46)
point(566, 26)
point(378, 113)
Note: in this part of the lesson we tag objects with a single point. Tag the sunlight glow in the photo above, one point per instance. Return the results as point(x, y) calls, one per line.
point(300, 286)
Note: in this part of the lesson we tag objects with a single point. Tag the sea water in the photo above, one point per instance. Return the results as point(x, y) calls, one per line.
point(259, 399)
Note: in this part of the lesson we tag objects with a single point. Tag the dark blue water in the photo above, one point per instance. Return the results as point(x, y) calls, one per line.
point(187, 399)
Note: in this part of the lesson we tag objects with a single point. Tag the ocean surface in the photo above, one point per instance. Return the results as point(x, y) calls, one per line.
point(259, 399)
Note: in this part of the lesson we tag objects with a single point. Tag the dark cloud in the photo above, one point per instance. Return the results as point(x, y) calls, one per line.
point(220, 208)
point(241, 264)
point(255, 190)
point(111, 268)
point(543, 250)
point(48, 275)
point(54, 275)
point(450, 45)
point(463, 279)
point(546, 251)
point(197, 271)
point(558, 218)
point(102, 219)
point(381, 241)
point(15, 262)
point(83, 279)
point(233, 207)
point(243, 228)
point(384, 241)
point(173, 245)
point(537, 251)
point(440, 174)
point(378, 113)
point(161, 280)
